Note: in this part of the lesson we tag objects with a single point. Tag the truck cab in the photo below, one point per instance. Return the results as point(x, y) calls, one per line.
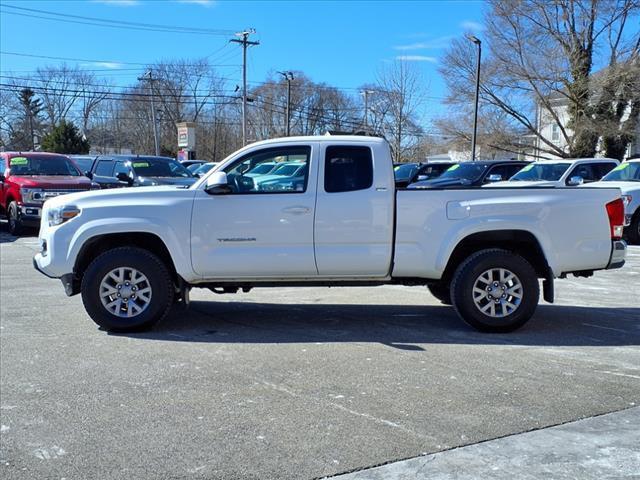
point(27, 179)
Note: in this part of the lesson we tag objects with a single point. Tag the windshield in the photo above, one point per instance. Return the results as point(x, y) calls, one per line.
point(43, 165)
point(467, 171)
point(541, 171)
point(159, 167)
point(405, 172)
point(625, 172)
point(263, 168)
point(202, 169)
point(286, 170)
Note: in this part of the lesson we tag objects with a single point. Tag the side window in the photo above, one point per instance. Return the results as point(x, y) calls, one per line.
point(502, 170)
point(104, 168)
point(512, 170)
point(273, 170)
point(121, 167)
point(347, 169)
point(3, 166)
point(603, 168)
point(586, 171)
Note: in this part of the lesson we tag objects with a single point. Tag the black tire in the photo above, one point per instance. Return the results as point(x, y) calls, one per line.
point(159, 280)
point(470, 271)
point(633, 230)
point(441, 291)
point(15, 223)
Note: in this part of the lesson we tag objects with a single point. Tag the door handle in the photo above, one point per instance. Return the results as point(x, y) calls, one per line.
point(296, 210)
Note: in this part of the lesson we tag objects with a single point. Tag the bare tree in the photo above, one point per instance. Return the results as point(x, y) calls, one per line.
point(401, 93)
point(539, 69)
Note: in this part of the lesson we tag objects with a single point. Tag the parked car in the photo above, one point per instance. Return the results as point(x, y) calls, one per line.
point(194, 165)
point(84, 162)
point(282, 171)
point(560, 173)
point(407, 173)
point(204, 168)
point(111, 171)
point(626, 177)
point(482, 250)
point(27, 179)
point(189, 163)
point(473, 174)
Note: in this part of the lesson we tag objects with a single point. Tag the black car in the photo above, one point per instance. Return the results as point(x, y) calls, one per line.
point(84, 162)
point(407, 173)
point(139, 171)
point(473, 174)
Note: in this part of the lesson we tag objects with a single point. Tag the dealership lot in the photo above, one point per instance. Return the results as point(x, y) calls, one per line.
point(295, 383)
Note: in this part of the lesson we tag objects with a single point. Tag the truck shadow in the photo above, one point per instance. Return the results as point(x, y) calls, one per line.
point(6, 237)
point(409, 328)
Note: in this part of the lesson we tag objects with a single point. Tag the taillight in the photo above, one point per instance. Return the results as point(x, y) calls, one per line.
point(615, 211)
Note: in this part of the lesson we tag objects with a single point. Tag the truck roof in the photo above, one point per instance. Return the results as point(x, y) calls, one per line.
point(323, 138)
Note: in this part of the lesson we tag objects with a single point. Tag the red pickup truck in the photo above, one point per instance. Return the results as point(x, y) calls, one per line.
point(27, 179)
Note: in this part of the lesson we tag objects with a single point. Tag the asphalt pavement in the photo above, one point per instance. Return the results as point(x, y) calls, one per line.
point(297, 383)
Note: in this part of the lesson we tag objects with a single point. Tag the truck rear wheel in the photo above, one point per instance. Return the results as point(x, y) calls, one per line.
point(127, 289)
point(495, 291)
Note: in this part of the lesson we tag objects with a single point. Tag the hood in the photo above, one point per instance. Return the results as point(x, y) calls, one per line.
point(151, 181)
point(119, 197)
point(525, 183)
point(52, 182)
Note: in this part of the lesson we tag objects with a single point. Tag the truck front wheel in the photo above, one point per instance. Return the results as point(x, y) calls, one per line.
point(495, 291)
point(127, 289)
point(13, 217)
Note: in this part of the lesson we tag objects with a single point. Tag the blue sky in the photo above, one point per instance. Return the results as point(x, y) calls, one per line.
point(341, 43)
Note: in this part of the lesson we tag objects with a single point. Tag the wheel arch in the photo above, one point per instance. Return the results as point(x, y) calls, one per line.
point(522, 242)
point(99, 244)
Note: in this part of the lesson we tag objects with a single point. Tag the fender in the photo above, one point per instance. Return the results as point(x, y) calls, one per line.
point(179, 250)
point(462, 230)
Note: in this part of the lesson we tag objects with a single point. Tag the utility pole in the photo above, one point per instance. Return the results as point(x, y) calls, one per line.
point(288, 77)
point(366, 108)
point(245, 43)
point(475, 114)
point(149, 76)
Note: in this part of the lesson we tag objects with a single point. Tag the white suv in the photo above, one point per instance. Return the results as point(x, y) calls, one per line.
point(560, 173)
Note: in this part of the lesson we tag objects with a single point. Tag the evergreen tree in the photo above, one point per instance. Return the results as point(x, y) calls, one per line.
point(65, 138)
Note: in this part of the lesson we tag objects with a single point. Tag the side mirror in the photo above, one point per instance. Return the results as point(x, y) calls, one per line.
point(496, 177)
point(123, 177)
point(2, 178)
point(217, 184)
point(575, 181)
point(89, 175)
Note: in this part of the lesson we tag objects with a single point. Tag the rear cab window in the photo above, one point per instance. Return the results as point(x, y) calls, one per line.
point(348, 169)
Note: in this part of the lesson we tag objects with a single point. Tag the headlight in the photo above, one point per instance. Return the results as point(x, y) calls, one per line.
point(58, 215)
point(626, 199)
point(32, 195)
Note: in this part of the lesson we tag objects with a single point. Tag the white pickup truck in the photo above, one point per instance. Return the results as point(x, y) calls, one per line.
point(339, 221)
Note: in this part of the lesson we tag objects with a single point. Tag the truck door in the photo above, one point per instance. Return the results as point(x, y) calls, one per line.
point(354, 211)
point(264, 227)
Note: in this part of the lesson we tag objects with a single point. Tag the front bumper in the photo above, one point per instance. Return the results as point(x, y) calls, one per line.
point(618, 254)
point(30, 214)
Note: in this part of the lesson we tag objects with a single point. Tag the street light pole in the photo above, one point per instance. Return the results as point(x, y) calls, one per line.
point(288, 77)
point(475, 113)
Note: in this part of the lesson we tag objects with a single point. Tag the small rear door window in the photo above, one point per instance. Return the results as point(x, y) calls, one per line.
point(347, 169)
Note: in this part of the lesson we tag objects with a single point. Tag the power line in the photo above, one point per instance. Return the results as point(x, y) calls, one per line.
point(103, 22)
point(70, 59)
